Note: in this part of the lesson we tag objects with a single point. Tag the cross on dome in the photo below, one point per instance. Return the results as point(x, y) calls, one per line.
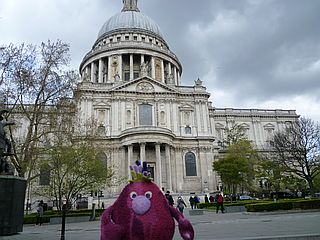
point(130, 5)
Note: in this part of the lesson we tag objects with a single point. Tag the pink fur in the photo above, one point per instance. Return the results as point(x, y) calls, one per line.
point(151, 217)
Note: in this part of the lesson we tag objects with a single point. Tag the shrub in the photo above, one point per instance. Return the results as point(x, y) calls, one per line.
point(206, 205)
point(32, 218)
point(284, 205)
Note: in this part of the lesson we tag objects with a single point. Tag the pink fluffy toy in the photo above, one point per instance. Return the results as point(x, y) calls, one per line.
point(142, 212)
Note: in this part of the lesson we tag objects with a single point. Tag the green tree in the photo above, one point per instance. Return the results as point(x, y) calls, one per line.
point(236, 168)
point(270, 173)
point(317, 183)
point(75, 169)
point(297, 149)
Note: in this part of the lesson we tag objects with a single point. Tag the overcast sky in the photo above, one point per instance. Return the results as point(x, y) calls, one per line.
point(249, 53)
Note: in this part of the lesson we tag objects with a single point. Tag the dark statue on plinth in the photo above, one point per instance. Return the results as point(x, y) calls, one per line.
point(5, 145)
point(12, 188)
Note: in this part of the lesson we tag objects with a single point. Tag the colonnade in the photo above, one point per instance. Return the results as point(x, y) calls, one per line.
point(111, 69)
point(162, 166)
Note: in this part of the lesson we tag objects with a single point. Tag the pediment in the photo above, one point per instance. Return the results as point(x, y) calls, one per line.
point(186, 107)
point(144, 85)
point(269, 126)
point(245, 125)
point(219, 126)
point(100, 104)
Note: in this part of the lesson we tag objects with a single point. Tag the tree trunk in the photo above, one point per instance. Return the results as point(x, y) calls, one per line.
point(311, 186)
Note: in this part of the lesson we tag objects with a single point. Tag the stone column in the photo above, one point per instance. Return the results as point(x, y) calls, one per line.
point(86, 73)
point(93, 69)
point(120, 66)
point(130, 156)
point(179, 169)
point(153, 68)
point(100, 80)
point(179, 79)
point(142, 152)
point(131, 66)
point(162, 71)
point(124, 163)
point(169, 69)
point(202, 169)
point(158, 165)
point(175, 75)
point(142, 58)
point(109, 77)
point(168, 162)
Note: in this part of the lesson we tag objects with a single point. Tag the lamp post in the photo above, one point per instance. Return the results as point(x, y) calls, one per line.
point(63, 221)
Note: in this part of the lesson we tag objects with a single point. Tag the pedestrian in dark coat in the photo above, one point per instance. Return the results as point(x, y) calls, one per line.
point(181, 204)
point(169, 198)
point(191, 201)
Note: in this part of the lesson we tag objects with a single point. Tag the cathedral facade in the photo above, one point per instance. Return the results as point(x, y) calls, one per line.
point(131, 86)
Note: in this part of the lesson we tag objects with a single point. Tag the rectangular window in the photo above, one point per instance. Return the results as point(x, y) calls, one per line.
point(44, 176)
point(127, 76)
point(145, 114)
point(135, 75)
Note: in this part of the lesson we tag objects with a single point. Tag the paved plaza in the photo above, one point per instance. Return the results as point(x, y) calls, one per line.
point(298, 225)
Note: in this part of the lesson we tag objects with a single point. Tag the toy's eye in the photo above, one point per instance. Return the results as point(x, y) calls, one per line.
point(148, 194)
point(133, 195)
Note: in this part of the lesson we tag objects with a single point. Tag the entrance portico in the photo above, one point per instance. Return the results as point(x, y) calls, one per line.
point(157, 155)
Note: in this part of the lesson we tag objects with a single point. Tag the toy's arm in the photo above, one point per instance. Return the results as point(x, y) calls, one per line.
point(185, 227)
point(109, 229)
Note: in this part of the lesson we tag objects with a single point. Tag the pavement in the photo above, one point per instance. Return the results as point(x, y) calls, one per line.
point(209, 226)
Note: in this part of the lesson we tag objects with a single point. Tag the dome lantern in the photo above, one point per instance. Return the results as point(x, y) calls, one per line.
point(130, 5)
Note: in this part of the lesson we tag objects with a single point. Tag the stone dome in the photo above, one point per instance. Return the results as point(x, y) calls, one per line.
point(130, 20)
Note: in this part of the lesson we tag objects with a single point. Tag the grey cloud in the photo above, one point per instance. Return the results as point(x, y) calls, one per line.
point(254, 50)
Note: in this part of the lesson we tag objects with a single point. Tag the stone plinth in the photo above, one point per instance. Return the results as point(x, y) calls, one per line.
point(12, 194)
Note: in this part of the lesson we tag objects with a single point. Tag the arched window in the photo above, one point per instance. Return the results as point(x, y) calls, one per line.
point(145, 114)
point(187, 130)
point(103, 158)
point(191, 165)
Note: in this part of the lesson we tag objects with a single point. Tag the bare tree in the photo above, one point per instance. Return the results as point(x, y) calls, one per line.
point(234, 134)
point(297, 148)
point(34, 79)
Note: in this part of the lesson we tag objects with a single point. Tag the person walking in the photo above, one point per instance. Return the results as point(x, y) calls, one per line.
point(220, 203)
point(169, 198)
point(191, 201)
point(206, 199)
point(196, 201)
point(181, 204)
point(39, 213)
